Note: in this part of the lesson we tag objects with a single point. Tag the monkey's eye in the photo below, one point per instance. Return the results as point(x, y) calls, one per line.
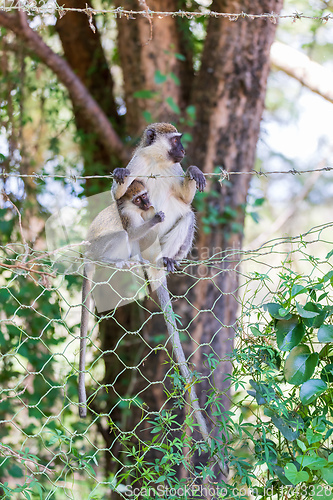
point(137, 201)
point(175, 141)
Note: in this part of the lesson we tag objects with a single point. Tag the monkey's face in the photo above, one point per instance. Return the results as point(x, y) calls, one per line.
point(163, 143)
point(142, 201)
point(176, 152)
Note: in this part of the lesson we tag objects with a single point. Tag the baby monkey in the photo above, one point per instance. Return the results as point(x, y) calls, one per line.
point(116, 234)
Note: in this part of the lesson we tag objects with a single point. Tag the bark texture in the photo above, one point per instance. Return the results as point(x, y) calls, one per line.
point(229, 95)
point(83, 51)
point(147, 62)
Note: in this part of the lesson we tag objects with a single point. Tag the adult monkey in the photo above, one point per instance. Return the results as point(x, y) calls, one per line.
point(159, 154)
point(156, 163)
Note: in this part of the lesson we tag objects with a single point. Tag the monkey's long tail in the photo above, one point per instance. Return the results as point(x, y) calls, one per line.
point(85, 308)
point(165, 303)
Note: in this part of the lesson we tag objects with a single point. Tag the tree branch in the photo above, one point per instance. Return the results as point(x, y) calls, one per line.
point(79, 95)
point(299, 66)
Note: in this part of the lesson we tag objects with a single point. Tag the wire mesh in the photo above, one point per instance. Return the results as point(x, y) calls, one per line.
point(45, 447)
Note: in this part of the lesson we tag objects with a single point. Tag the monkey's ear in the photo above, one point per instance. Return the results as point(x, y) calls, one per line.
point(150, 136)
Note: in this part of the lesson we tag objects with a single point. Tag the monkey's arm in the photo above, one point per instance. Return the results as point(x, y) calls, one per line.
point(194, 179)
point(121, 182)
point(138, 232)
point(88, 274)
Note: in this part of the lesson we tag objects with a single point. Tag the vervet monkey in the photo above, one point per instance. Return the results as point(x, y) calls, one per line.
point(159, 154)
point(113, 236)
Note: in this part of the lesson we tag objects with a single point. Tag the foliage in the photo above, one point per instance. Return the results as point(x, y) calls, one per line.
point(289, 359)
point(280, 423)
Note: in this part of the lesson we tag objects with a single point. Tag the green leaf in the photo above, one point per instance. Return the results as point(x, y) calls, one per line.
point(255, 331)
point(144, 94)
point(259, 202)
point(294, 475)
point(147, 116)
point(255, 217)
point(288, 425)
point(159, 77)
point(318, 320)
point(285, 428)
point(180, 57)
point(301, 445)
point(281, 475)
point(15, 471)
point(328, 276)
point(305, 313)
point(289, 333)
point(190, 110)
point(175, 78)
point(297, 289)
point(262, 392)
point(173, 105)
point(275, 310)
point(300, 365)
point(329, 255)
point(313, 436)
point(311, 390)
point(40, 489)
point(312, 462)
point(327, 373)
point(186, 138)
point(327, 474)
point(325, 333)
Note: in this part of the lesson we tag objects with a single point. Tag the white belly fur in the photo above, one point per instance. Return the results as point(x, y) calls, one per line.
point(165, 201)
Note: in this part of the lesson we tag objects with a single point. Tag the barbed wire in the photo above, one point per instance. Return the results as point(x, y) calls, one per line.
point(221, 175)
point(31, 7)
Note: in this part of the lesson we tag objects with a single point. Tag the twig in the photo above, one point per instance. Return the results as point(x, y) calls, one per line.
point(26, 246)
point(6, 451)
point(143, 3)
point(28, 269)
point(14, 395)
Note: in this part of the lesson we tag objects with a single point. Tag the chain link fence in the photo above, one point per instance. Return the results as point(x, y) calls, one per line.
point(141, 430)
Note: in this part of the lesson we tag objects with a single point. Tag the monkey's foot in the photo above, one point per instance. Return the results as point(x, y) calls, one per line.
point(119, 174)
point(195, 173)
point(171, 264)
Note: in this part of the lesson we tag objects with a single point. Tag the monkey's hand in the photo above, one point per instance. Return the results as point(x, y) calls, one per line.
point(196, 174)
point(159, 217)
point(119, 174)
point(171, 264)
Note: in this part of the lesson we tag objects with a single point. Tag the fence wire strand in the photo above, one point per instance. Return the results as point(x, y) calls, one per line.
point(221, 175)
point(51, 7)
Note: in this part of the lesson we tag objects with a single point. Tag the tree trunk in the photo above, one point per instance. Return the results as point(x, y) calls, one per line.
point(148, 52)
point(83, 51)
point(229, 96)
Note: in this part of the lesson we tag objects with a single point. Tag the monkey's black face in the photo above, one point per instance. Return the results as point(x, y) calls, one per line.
point(142, 201)
point(176, 151)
